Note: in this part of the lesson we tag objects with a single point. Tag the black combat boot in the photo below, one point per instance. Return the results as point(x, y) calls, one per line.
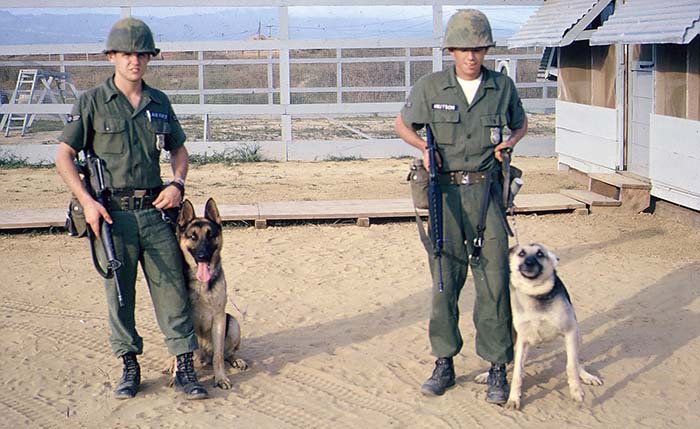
point(497, 392)
point(186, 378)
point(442, 378)
point(131, 378)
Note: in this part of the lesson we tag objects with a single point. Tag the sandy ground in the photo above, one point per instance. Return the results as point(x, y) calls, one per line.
point(335, 325)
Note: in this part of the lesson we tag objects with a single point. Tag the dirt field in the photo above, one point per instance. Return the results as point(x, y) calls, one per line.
point(335, 325)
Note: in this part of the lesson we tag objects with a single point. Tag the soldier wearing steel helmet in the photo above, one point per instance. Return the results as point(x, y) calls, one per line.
point(127, 124)
point(465, 106)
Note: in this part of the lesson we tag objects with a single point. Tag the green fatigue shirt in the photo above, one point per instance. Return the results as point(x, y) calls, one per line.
point(125, 138)
point(461, 130)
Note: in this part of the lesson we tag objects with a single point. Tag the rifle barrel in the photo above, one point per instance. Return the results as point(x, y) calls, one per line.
point(435, 204)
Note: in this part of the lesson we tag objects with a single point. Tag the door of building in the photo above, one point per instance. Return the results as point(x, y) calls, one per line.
point(640, 105)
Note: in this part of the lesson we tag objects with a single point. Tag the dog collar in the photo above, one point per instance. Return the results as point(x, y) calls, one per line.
point(558, 285)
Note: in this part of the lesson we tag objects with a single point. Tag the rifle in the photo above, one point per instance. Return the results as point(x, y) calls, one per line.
point(505, 155)
point(435, 204)
point(93, 170)
point(511, 185)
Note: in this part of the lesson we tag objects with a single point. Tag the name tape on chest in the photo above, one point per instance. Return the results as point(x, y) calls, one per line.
point(441, 106)
point(158, 115)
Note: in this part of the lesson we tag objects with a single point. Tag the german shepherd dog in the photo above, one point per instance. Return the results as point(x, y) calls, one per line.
point(542, 311)
point(218, 332)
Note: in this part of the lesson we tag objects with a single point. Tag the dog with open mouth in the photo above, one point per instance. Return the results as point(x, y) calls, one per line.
point(218, 332)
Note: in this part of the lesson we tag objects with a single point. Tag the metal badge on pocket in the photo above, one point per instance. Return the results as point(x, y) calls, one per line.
point(496, 135)
point(160, 141)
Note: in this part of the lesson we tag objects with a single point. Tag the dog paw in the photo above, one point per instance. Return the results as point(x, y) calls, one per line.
point(223, 382)
point(577, 394)
point(169, 367)
point(590, 379)
point(240, 364)
point(482, 378)
point(512, 404)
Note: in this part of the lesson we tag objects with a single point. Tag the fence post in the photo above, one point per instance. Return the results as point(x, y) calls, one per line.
point(407, 73)
point(437, 35)
point(339, 75)
point(285, 90)
point(270, 78)
point(200, 87)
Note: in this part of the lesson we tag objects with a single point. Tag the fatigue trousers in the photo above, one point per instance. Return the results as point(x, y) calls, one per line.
point(141, 236)
point(492, 316)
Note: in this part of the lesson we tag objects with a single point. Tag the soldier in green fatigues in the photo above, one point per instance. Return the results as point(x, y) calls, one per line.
point(465, 106)
point(127, 124)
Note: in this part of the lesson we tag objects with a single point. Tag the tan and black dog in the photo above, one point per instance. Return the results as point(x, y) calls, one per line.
point(218, 332)
point(542, 311)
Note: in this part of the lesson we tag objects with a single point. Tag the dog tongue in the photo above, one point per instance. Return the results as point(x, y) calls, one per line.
point(203, 274)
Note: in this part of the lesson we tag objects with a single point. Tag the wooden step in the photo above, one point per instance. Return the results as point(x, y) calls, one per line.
point(591, 199)
point(619, 181)
point(634, 194)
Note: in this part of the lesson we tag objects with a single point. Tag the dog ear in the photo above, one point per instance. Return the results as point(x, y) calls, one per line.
point(186, 215)
point(552, 257)
point(211, 211)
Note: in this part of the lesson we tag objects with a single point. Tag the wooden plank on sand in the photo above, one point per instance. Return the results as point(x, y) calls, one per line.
point(590, 198)
point(525, 203)
point(619, 181)
point(234, 212)
point(336, 209)
point(361, 210)
point(32, 218)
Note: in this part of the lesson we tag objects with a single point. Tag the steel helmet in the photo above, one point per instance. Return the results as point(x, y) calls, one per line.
point(468, 28)
point(131, 35)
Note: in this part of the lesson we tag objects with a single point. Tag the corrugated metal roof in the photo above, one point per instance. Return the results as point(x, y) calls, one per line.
point(548, 25)
point(651, 21)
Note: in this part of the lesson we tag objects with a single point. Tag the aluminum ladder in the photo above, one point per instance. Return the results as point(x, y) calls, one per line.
point(26, 93)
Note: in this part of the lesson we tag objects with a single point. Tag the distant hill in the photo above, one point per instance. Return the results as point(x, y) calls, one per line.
point(237, 24)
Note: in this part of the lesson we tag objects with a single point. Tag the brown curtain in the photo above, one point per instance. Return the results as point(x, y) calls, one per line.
point(671, 80)
point(603, 76)
point(574, 82)
point(587, 74)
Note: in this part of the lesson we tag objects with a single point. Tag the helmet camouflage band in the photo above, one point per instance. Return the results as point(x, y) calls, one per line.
point(131, 35)
point(468, 28)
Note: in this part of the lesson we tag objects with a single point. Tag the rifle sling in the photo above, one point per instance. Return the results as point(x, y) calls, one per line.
point(428, 244)
point(481, 227)
point(107, 274)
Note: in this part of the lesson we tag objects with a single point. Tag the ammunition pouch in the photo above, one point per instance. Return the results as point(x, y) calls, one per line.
point(76, 225)
point(419, 179)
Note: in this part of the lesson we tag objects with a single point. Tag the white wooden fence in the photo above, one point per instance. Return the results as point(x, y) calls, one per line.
point(278, 58)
